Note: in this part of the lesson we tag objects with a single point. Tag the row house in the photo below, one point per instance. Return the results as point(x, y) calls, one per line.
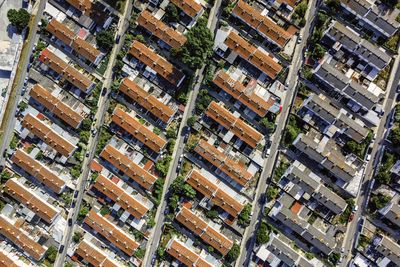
point(91, 13)
point(12, 259)
point(391, 211)
point(388, 248)
point(185, 254)
point(191, 8)
point(93, 255)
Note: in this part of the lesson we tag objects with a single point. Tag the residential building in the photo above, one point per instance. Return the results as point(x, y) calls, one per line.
point(391, 211)
point(56, 106)
point(186, 255)
point(320, 240)
point(265, 26)
point(138, 130)
point(312, 185)
point(233, 124)
point(48, 135)
point(170, 37)
point(113, 234)
point(217, 192)
point(152, 104)
point(94, 255)
point(92, 13)
point(224, 163)
point(191, 8)
point(204, 230)
point(136, 205)
point(255, 56)
point(21, 239)
point(11, 259)
point(156, 64)
point(370, 55)
point(66, 71)
point(39, 171)
point(324, 152)
point(256, 99)
point(124, 164)
point(31, 200)
point(388, 248)
point(372, 17)
point(334, 120)
point(83, 49)
point(335, 80)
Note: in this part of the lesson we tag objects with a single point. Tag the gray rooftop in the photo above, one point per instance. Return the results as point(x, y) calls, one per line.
point(321, 108)
point(390, 249)
point(392, 212)
point(353, 129)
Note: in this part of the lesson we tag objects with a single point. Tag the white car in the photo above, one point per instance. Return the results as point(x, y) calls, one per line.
point(355, 208)
point(268, 151)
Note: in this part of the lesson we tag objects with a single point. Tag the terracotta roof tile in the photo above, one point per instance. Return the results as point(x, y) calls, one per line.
point(93, 255)
point(6, 261)
point(190, 7)
point(85, 49)
point(185, 255)
point(60, 31)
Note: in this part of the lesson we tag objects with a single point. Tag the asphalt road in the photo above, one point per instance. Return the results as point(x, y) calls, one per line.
point(377, 150)
point(91, 148)
point(178, 150)
point(23, 62)
point(248, 239)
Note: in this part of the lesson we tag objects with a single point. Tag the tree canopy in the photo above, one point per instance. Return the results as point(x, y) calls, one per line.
point(233, 254)
point(171, 13)
point(18, 18)
point(105, 39)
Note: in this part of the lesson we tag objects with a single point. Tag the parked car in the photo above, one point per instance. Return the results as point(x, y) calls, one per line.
point(355, 208)
point(76, 194)
point(69, 222)
point(104, 91)
point(61, 249)
point(300, 38)
point(117, 39)
point(351, 217)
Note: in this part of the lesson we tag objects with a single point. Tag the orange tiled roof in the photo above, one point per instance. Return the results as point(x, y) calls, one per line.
point(56, 106)
point(230, 167)
point(156, 62)
point(237, 90)
point(66, 71)
point(20, 239)
point(24, 195)
point(93, 255)
point(38, 170)
point(255, 56)
point(146, 100)
point(242, 130)
point(85, 49)
point(190, 7)
point(167, 34)
point(206, 232)
point(212, 191)
point(48, 135)
point(127, 166)
point(120, 197)
point(262, 23)
point(111, 232)
point(138, 130)
point(185, 255)
point(94, 10)
point(60, 31)
point(6, 261)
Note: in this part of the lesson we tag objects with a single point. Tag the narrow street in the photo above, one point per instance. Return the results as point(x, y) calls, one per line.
point(91, 147)
point(154, 238)
point(248, 240)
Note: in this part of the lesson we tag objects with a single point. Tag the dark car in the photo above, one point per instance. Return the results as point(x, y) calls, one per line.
point(61, 249)
point(73, 204)
point(69, 222)
point(76, 194)
point(117, 39)
point(104, 91)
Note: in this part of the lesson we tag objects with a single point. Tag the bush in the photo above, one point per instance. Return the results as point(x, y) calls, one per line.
point(105, 39)
point(191, 121)
point(379, 201)
point(171, 132)
point(262, 235)
point(18, 18)
point(233, 254)
point(77, 237)
point(272, 192)
point(162, 165)
point(244, 216)
point(212, 214)
point(394, 136)
point(14, 142)
point(51, 254)
point(156, 130)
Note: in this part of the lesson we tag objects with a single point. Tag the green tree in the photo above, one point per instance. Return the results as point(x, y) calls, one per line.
point(394, 136)
point(383, 177)
point(105, 39)
point(333, 4)
point(170, 146)
point(270, 126)
point(84, 136)
point(162, 165)
point(244, 216)
point(198, 46)
point(334, 258)
point(77, 237)
point(262, 235)
point(319, 51)
point(171, 13)
point(4, 176)
point(156, 130)
point(68, 264)
point(86, 124)
point(188, 191)
point(191, 121)
point(272, 192)
point(212, 214)
point(171, 132)
point(18, 18)
point(51, 254)
point(233, 254)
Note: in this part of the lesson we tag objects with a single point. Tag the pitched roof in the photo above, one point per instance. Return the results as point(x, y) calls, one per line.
point(25, 195)
point(390, 249)
point(157, 63)
point(48, 135)
point(120, 197)
point(213, 191)
point(95, 10)
point(185, 255)
point(167, 34)
point(128, 167)
point(93, 255)
point(20, 239)
point(190, 7)
point(230, 167)
point(111, 232)
point(85, 49)
point(237, 90)
point(56, 106)
point(38, 170)
point(146, 100)
point(253, 55)
point(60, 31)
point(138, 130)
point(66, 71)
point(203, 229)
point(242, 130)
point(261, 23)
point(7, 261)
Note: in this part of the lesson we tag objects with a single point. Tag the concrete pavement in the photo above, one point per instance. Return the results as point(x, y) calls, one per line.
point(91, 148)
point(248, 239)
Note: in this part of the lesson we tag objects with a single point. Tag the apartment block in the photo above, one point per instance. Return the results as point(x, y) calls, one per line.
point(25, 196)
point(204, 230)
point(124, 164)
point(116, 236)
point(94, 255)
point(186, 255)
point(39, 171)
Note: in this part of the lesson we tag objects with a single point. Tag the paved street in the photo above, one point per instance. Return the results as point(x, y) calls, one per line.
point(154, 239)
point(248, 240)
point(91, 148)
point(362, 197)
